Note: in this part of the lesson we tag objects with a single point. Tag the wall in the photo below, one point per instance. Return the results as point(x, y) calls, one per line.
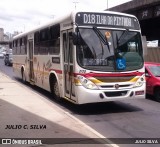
point(153, 55)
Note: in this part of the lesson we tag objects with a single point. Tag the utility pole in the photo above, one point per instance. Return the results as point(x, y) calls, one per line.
point(107, 4)
point(75, 4)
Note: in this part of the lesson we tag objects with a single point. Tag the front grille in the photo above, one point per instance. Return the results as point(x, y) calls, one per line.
point(115, 79)
point(115, 93)
point(107, 86)
point(125, 85)
point(112, 86)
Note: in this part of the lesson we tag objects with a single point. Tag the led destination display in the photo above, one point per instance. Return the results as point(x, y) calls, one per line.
point(105, 19)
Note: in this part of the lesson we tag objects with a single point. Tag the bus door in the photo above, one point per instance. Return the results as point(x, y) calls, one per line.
point(31, 69)
point(68, 65)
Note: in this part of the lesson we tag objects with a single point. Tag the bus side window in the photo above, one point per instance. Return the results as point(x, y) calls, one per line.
point(22, 44)
point(44, 41)
point(65, 47)
point(14, 47)
point(18, 47)
point(54, 42)
point(36, 42)
point(71, 47)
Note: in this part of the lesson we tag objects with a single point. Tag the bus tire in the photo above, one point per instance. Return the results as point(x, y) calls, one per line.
point(55, 89)
point(23, 76)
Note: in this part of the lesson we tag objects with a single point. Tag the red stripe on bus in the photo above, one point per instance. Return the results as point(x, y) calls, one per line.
point(56, 70)
point(103, 74)
point(110, 74)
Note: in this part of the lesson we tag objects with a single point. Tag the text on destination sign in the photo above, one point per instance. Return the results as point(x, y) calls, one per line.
point(107, 20)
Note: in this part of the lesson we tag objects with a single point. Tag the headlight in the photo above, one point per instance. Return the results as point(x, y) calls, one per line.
point(140, 81)
point(87, 83)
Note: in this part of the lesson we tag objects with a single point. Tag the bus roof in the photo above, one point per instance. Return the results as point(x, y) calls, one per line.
point(49, 23)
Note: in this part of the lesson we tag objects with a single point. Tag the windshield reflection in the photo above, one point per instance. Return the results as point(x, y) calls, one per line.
point(155, 70)
point(105, 50)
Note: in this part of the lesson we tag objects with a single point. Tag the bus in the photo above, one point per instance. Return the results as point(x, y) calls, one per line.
point(84, 57)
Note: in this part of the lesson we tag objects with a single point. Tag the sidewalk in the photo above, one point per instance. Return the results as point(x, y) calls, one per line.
point(26, 114)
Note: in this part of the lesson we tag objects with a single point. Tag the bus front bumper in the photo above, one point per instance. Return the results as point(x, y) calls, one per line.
point(92, 96)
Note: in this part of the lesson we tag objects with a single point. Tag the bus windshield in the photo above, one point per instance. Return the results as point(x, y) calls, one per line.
point(109, 50)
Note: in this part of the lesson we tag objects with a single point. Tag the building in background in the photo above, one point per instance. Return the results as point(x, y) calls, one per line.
point(7, 36)
point(6, 39)
point(148, 14)
point(1, 34)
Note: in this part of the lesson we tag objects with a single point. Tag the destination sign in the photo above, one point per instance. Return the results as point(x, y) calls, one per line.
point(105, 19)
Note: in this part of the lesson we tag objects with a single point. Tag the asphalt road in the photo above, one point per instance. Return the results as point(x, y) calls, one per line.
point(123, 119)
point(6, 69)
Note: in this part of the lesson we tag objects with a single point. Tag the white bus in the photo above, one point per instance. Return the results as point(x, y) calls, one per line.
point(84, 57)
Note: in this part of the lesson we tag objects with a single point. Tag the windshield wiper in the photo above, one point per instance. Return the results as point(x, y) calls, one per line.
point(125, 32)
point(101, 37)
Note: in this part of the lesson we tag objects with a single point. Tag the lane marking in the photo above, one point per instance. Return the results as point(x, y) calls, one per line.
point(108, 142)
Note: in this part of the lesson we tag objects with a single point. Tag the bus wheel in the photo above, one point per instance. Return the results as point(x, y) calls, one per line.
point(157, 94)
point(23, 76)
point(55, 90)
